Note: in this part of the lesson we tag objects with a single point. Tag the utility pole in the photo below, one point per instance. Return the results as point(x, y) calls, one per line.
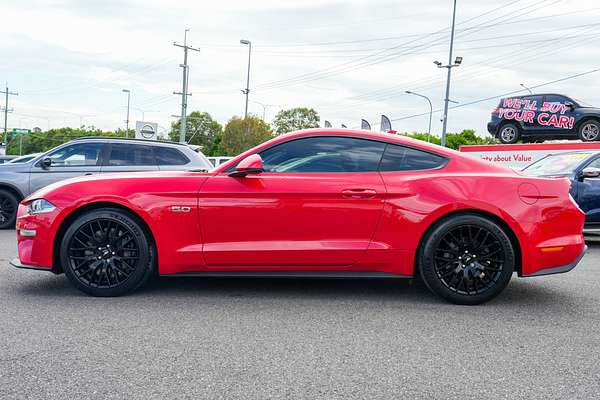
point(6, 111)
point(247, 90)
point(449, 66)
point(184, 92)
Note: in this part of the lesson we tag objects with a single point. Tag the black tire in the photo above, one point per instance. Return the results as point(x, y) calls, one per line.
point(466, 259)
point(509, 134)
point(8, 209)
point(106, 252)
point(589, 131)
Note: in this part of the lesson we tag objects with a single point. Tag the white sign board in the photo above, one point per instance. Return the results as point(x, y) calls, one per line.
point(521, 155)
point(146, 130)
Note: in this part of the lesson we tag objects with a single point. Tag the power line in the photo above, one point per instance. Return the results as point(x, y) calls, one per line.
point(504, 94)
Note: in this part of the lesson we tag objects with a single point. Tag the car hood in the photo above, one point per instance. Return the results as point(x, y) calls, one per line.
point(110, 183)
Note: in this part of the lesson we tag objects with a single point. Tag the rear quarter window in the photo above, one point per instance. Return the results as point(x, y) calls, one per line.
point(401, 158)
point(170, 156)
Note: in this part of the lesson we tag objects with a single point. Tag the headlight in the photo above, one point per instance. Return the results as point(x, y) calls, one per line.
point(40, 206)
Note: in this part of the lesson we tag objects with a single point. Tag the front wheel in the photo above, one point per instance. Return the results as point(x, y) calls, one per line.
point(8, 209)
point(589, 131)
point(466, 259)
point(106, 252)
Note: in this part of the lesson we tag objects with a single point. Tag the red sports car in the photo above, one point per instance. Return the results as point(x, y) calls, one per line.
point(315, 203)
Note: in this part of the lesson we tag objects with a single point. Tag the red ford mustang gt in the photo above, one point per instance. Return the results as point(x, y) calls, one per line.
point(316, 203)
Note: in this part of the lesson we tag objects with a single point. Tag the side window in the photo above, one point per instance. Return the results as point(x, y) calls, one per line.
point(170, 156)
point(594, 164)
point(77, 155)
point(400, 158)
point(554, 98)
point(539, 100)
point(122, 154)
point(323, 154)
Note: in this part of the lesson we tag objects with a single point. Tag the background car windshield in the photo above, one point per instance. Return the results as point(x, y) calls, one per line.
point(556, 164)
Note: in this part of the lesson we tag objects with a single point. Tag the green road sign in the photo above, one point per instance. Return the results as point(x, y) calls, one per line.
point(17, 131)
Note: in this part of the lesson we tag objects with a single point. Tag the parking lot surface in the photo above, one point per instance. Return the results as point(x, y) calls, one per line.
point(273, 338)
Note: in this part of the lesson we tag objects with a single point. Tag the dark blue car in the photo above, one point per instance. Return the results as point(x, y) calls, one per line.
point(583, 169)
point(539, 117)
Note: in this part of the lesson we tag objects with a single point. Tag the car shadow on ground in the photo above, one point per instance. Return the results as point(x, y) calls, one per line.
point(520, 292)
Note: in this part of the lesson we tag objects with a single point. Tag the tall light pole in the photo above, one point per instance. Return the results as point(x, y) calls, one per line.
point(127, 120)
point(430, 111)
point(523, 85)
point(264, 106)
point(449, 67)
point(247, 90)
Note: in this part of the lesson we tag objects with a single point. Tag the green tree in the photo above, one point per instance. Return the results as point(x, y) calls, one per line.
point(241, 134)
point(36, 142)
point(202, 130)
point(455, 140)
point(295, 119)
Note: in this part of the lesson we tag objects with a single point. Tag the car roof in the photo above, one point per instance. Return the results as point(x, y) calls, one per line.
point(112, 138)
point(536, 94)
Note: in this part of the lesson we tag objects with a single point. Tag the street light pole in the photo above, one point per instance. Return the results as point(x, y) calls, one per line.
point(247, 90)
point(430, 111)
point(523, 85)
point(127, 120)
point(449, 67)
point(264, 106)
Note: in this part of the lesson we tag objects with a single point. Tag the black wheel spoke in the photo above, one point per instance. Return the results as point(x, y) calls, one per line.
point(103, 253)
point(469, 259)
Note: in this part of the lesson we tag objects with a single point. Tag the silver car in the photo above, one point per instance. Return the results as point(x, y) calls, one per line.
point(87, 156)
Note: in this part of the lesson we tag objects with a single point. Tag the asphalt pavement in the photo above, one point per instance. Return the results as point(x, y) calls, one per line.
point(298, 339)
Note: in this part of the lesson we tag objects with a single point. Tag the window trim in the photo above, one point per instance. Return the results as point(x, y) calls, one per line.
point(231, 168)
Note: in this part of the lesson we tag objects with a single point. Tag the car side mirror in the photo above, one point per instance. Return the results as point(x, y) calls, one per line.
point(46, 162)
point(590, 172)
point(250, 165)
point(570, 105)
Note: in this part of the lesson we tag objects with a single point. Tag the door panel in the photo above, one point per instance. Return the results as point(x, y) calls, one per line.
point(289, 221)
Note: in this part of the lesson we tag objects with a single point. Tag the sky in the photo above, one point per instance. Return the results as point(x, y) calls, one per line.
point(70, 59)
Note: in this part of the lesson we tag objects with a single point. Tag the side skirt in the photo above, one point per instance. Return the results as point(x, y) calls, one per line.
point(291, 274)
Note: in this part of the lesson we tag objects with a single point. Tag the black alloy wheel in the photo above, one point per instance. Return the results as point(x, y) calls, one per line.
point(106, 253)
point(8, 209)
point(467, 259)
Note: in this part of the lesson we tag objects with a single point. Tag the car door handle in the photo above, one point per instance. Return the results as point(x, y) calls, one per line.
point(359, 193)
point(88, 173)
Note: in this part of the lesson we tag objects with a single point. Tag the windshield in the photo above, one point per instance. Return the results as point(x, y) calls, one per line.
point(556, 164)
point(582, 103)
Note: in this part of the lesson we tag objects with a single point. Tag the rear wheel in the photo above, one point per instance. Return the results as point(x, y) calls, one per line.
point(106, 252)
point(509, 134)
point(589, 131)
point(467, 259)
point(8, 209)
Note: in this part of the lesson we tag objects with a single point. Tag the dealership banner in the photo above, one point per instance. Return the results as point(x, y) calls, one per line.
point(364, 124)
point(521, 155)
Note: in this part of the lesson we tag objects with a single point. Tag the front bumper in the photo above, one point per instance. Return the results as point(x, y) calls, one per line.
point(15, 262)
point(562, 268)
